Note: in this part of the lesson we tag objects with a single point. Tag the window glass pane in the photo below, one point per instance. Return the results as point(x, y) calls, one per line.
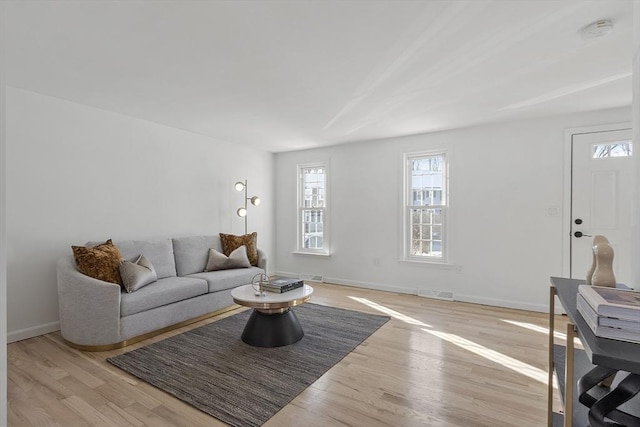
point(615, 149)
point(436, 232)
point(427, 180)
point(312, 229)
point(437, 216)
point(313, 184)
point(427, 216)
point(426, 232)
point(437, 197)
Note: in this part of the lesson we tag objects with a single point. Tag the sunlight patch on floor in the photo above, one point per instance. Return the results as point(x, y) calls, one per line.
point(390, 312)
point(494, 356)
point(475, 348)
point(536, 328)
point(558, 335)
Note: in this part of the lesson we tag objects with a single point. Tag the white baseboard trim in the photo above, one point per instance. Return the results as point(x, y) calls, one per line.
point(371, 285)
point(357, 284)
point(33, 331)
point(542, 308)
point(474, 299)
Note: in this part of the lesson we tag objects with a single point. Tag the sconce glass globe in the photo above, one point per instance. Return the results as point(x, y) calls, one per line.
point(239, 186)
point(241, 212)
point(255, 200)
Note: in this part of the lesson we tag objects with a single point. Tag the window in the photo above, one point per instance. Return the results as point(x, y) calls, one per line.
point(426, 201)
point(312, 209)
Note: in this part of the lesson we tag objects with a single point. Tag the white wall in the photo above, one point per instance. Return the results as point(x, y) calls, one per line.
point(503, 180)
point(76, 173)
point(636, 142)
point(3, 256)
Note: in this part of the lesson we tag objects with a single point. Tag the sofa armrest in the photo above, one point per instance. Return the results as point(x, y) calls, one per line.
point(89, 308)
point(262, 260)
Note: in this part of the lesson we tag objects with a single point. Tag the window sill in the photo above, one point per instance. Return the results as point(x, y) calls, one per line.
point(311, 253)
point(430, 263)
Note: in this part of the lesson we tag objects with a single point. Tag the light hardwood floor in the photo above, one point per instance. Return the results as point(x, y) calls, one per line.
point(436, 363)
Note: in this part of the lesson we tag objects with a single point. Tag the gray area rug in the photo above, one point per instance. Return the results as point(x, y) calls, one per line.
point(211, 368)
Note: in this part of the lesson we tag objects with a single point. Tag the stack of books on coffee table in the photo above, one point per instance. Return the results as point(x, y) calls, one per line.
point(610, 312)
point(282, 284)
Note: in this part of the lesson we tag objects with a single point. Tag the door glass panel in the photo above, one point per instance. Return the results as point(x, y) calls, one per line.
point(612, 149)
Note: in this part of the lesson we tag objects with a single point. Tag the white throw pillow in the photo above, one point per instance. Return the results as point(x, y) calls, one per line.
point(137, 274)
point(236, 259)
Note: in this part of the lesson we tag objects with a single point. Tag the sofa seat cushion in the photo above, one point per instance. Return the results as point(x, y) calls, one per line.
point(164, 291)
point(228, 279)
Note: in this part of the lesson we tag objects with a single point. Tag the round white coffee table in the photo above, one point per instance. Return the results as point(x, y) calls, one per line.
point(272, 323)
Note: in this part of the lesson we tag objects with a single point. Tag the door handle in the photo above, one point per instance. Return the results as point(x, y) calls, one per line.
point(579, 234)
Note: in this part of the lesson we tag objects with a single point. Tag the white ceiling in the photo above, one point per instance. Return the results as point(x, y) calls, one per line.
point(288, 75)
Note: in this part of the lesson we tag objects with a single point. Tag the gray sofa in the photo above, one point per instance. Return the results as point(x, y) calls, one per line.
point(97, 315)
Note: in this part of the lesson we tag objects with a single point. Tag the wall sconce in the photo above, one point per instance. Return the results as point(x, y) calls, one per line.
point(242, 211)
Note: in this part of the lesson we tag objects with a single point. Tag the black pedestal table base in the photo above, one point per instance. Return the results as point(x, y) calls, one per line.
point(272, 330)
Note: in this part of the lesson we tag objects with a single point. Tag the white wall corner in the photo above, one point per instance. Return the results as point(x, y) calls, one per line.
point(3, 233)
point(635, 226)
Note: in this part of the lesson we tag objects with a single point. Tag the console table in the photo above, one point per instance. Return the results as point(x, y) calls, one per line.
point(600, 356)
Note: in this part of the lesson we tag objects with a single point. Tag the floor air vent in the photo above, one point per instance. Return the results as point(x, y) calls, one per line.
point(432, 293)
point(312, 277)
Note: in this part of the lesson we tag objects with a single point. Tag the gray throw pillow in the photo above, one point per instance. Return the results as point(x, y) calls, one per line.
point(137, 274)
point(236, 259)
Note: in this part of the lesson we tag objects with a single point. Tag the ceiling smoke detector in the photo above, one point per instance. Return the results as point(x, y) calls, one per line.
point(597, 29)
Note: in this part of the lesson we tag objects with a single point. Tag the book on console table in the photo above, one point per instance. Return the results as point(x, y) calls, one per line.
point(611, 322)
point(283, 284)
point(612, 302)
point(625, 330)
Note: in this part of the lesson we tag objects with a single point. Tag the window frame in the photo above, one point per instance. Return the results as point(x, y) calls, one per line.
point(406, 207)
point(300, 208)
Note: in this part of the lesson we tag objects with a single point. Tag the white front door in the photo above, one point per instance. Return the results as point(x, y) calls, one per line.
point(601, 194)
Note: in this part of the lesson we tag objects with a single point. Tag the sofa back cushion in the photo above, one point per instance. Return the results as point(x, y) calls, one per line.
point(159, 252)
point(192, 253)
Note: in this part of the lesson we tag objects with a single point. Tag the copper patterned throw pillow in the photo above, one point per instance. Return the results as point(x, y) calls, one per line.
point(230, 242)
point(101, 262)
